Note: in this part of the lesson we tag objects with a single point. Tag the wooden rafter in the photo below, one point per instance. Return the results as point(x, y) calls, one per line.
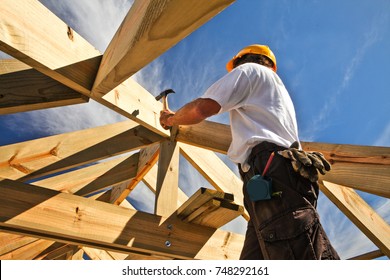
point(167, 179)
point(24, 89)
point(10, 242)
point(147, 158)
point(51, 46)
point(360, 213)
point(39, 157)
point(72, 219)
point(94, 178)
point(150, 180)
point(67, 64)
point(149, 29)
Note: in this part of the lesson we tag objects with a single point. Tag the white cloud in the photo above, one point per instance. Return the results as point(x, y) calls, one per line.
point(64, 119)
point(384, 138)
point(370, 37)
point(96, 21)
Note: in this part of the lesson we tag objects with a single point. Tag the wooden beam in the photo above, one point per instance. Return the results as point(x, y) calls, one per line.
point(369, 178)
point(74, 62)
point(10, 242)
point(27, 89)
point(147, 158)
point(215, 171)
point(50, 46)
point(167, 179)
point(58, 251)
point(369, 256)
point(82, 182)
point(209, 135)
point(150, 180)
point(136, 103)
point(149, 29)
point(9, 66)
point(366, 168)
point(360, 213)
point(209, 208)
point(76, 220)
point(78, 255)
point(90, 179)
point(200, 197)
point(35, 158)
point(28, 251)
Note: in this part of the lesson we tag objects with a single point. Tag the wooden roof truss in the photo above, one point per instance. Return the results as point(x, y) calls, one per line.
point(60, 200)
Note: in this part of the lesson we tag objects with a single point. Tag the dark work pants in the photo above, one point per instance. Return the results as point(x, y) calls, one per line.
point(288, 226)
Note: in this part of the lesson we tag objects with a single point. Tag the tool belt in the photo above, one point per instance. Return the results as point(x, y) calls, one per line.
point(306, 163)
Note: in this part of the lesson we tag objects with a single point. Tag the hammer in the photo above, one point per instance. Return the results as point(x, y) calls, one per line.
point(164, 97)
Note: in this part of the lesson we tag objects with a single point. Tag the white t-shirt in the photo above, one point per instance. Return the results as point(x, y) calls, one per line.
point(260, 109)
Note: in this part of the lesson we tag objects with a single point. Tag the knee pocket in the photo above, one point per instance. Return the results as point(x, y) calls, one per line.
point(288, 236)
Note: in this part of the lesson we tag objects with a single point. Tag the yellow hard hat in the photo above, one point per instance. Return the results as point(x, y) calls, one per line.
point(255, 49)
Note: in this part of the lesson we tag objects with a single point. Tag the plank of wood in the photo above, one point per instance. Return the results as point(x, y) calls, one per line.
point(78, 255)
point(149, 29)
point(28, 251)
point(75, 63)
point(90, 179)
point(67, 218)
point(28, 89)
point(209, 135)
point(35, 158)
point(150, 180)
point(200, 197)
point(148, 156)
point(81, 182)
point(49, 46)
point(57, 251)
point(10, 242)
point(365, 168)
point(167, 179)
point(146, 257)
point(214, 213)
point(368, 256)
point(360, 213)
point(11, 65)
point(215, 171)
point(371, 178)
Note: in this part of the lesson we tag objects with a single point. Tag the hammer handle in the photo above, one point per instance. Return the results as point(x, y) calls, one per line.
point(165, 102)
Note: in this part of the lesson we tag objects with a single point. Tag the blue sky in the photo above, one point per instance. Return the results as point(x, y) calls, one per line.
point(333, 56)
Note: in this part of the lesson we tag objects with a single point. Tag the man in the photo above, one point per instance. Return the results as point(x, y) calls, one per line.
point(284, 225)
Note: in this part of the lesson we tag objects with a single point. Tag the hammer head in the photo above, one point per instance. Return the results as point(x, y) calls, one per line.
point(164, 93)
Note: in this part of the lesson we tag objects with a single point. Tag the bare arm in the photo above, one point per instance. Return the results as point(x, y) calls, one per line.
point(192, 113)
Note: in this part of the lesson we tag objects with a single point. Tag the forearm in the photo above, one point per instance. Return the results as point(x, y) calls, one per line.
point(194, 112)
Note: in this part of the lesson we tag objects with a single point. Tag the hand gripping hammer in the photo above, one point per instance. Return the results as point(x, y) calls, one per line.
point(164, 96)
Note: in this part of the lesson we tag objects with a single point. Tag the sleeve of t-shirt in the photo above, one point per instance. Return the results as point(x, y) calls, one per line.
point(230, 91)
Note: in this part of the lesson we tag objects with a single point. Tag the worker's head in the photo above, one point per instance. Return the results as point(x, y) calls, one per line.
point(260, 54)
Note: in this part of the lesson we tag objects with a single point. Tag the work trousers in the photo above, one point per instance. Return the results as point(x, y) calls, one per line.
point(287, 226)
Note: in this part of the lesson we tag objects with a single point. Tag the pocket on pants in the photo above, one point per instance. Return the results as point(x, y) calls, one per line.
point(288, 236)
